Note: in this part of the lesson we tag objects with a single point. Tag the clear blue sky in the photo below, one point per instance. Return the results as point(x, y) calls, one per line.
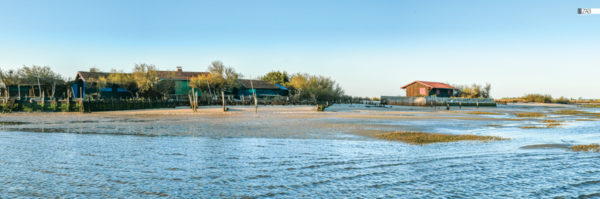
point(371, 48)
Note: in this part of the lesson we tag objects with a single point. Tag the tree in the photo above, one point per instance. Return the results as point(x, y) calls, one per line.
point(201, 82)
point(121, 79)
point(316, 88)
point(220, 78)
point(223, 78)
point(44, 77)
point(323, 89)
point(10, 78)
point(276, 77)
point(297, 84)
point(486, 90)
point(165, 86)
point(145, 76)
point(474, 91)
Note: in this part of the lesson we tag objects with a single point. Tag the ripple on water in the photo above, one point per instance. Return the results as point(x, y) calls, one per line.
point(134, 166)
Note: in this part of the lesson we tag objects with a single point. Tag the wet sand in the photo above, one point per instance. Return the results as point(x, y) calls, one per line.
point(270, 121)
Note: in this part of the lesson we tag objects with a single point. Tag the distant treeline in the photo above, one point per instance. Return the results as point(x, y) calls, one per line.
point(474, 90)
point(545, 98)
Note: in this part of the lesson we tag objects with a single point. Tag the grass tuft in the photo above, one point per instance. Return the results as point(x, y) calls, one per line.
point(586, 147)
point(420, 138)
point(550, 121)
point(570, 112)
point(585, 120)
point(532, 127)
point(576, 113)
point(530, 114)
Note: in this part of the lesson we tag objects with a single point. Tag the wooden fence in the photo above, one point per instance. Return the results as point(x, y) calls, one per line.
point(436, 101)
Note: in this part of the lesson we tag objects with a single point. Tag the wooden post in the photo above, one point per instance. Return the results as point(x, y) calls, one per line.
point(43, 101)
point(191, 101)
point(81, 109)
point(69, 100)
point(53, 89)
point(223, 99)
point(254, 95)
point(39, 86)
point(196, 101)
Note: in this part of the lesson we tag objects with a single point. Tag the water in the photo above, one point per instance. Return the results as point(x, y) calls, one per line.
point(108, 166)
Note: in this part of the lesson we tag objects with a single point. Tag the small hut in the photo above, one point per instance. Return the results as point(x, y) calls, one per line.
point(426, 88)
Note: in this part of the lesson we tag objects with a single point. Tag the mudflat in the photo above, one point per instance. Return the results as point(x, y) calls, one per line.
point(277, 121)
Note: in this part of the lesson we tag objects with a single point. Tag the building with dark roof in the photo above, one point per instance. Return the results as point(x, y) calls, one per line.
point(84, 81)
point(262, 88)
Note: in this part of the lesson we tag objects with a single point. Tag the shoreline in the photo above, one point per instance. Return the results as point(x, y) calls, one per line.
point(271, 121)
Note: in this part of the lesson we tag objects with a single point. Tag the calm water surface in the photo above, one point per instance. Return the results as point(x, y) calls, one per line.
point(76, 165)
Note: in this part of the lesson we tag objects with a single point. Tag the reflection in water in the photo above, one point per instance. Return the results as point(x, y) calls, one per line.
point(75, 165)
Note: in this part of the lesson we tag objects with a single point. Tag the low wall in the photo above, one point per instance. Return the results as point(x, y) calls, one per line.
point(436, 101)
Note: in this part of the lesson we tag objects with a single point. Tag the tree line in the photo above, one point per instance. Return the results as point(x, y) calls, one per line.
point(301, 86)
point(315, 88)
point(144, 81)
point(41, 76)
point(474, 90)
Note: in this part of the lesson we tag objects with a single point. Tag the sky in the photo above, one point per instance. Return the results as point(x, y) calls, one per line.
point(371, 48)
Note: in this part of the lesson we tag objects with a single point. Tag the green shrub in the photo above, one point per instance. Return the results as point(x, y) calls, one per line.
point(539, 98)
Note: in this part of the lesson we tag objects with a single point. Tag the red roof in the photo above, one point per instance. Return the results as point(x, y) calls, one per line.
point(431, 85)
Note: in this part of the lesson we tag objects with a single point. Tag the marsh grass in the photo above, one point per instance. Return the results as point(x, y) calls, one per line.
point(530, 114)
point(549, 124)
point(570, 112)
point(577, 113)
point(420, 138)
point(591, 106)
point(585, 120)
point(550, 121)
point(484, 113)
point(532, 127)
point(586, 147)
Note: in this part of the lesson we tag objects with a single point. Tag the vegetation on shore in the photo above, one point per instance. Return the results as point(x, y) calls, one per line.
point(586, 148)
point(421, 138)
point(548, 125)
point(474, 90)
point(302, 86)
point(530, 114)
point(545, 98)
point(40, 76)
point(576, 113)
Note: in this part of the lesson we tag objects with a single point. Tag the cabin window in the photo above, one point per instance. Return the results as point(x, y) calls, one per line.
point(422, 91)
